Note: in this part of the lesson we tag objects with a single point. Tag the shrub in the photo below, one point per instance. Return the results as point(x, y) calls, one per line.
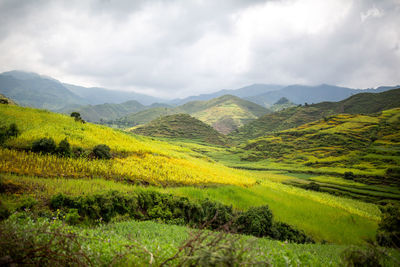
point(312, 186)
point(389, 228)
point(4, 212)
point(283, 231)
point(72, 217)
point(102, 152)
point(64, 148)
point(7, 132)
point(44, 145)
point(255, 221)
point(349, 176)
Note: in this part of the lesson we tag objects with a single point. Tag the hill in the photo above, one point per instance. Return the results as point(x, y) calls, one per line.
point(6, 100)
point(366, 145)
point(30, 89)
point(367, 103)
point(181, 126)
point(107, 111)
point(225, 113)
point(300, 94)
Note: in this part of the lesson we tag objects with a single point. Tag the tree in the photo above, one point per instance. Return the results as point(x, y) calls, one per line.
point(77, 116)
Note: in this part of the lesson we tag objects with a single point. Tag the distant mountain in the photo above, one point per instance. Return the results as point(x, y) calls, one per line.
point(225, 113)
point(181, 126)
point(95, 95)
point(300, 94)
point(247, 91)
point(31, 89)
point(97, 113)
point(295, 116)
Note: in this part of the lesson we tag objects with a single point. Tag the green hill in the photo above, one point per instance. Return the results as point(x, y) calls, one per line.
point(6, 100)
point(366, 103)
point(225, 113)
point(367, 145)
point(181, 126)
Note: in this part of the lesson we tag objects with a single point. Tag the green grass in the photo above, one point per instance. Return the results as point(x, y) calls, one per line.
point(325, 217)
point(154, 242)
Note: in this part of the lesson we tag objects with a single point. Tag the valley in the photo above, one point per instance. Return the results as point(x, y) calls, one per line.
point(307, 183)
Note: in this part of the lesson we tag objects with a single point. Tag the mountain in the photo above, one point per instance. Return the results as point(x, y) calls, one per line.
point(97, 113)
point(225, 113)
point(247, 91)
point(95, 95)
point(295, 116)
point(363, 144)
point(181, 126)
point(31, 89)
point(300, 94)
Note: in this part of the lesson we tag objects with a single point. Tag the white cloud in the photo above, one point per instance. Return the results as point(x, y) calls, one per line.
point(178, 48)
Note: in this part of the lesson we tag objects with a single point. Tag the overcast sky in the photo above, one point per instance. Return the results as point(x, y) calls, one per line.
point(180, 48)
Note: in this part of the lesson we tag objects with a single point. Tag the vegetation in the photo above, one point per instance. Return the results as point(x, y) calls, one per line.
point(91, 195)
point(350, 145)
point(181, 126)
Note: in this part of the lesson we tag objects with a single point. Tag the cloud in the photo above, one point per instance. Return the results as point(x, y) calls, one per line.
point(179, 48)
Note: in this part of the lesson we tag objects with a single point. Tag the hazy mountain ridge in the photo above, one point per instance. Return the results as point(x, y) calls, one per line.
point(96, 95)
point(30, 89)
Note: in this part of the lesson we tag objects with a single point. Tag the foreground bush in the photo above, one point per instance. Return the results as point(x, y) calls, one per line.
point(389, 228)
point(150, 205)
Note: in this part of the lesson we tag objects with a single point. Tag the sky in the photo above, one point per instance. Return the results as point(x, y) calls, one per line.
point(180, 48)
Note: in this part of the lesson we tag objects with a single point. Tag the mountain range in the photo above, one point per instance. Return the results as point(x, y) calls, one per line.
point(31, 89)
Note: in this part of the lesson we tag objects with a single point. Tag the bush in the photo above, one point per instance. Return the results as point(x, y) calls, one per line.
point(312, 186)
point(7, 132)
point(349, 176)
point(389, 228)
point(64, 148)
point(256, 221)
point(102, 152)
point(44, 145)
point(4, 212)
point(151, 205)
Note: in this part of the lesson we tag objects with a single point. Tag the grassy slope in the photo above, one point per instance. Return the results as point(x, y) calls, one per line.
point(225, 113)
point(295, 116)
point(181, 126)
point(363, 144)
point(137, 159)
